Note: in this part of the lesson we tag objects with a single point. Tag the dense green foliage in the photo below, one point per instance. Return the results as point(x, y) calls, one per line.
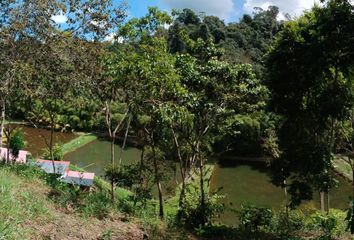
point(55, 154)
point(16, 143)
point(310, 78)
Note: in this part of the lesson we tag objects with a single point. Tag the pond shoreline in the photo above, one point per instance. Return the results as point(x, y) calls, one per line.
point(78, 142)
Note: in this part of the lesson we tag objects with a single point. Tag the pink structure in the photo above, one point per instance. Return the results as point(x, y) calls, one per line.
point(78, 178)
point(67, 176)
point(22, 156)
point(61, 167)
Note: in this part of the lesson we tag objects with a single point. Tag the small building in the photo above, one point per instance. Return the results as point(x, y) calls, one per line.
point(67, 176)
point(78, 178)
point(61, 167)
point(21, 158)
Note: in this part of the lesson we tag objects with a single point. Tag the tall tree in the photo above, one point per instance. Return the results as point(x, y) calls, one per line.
point(147, 70)
point(309, 69)
point(216, 91)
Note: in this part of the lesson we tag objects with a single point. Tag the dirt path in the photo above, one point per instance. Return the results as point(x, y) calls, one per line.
point(64, 226)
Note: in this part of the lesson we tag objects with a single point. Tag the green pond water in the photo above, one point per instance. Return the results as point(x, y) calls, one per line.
point(35, 138)
point(241, 182)
point(249, 183)
point(95, 156)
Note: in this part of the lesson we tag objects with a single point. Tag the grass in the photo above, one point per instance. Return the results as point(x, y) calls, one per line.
point(21, 202)
point(78, 142)
point(171, 205)
point(103, 185)
point(35, 205)
point(342, 167)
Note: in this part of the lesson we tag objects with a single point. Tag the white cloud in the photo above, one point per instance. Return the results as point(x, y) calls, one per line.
point(112, 38)
point(166, 26)
point(60, 18)
point(292, 7)
point(220, 8)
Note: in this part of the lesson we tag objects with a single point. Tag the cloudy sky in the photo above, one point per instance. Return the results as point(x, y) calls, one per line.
point(229, 10)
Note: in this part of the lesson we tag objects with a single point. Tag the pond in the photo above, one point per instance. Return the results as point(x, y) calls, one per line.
point(241, 182)
point(35, 139)
point(95, 156)
point(249, 182)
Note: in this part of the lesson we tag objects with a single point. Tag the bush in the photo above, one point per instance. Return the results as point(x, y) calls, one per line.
point(328, 224)
point(254, 218)
point(17, 143)
point(26, 171)
point(287, 226)
point(127, 206)
point(96, 204)
point(194, 216)
point(58, 153)
point(123, 175)
point(350, 218)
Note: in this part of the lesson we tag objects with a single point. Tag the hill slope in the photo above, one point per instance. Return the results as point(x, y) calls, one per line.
point(28, 212)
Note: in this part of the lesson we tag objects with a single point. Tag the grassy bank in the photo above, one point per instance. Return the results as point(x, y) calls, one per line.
point(81, 140)
point(342, 167)
point(34, 205)
point(103, 185)
point(20, 203)
point(171, 204)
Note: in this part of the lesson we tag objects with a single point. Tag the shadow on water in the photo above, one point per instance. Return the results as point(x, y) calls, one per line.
point(247, 182)
point(95, 156)
point(35, 138)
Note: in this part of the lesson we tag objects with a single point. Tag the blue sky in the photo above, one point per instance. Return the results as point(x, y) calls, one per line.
point(229, 10)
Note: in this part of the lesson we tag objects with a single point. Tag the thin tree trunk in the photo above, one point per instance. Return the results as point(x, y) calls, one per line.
point(8, 149)
point(202, 192)
point(141, 171)
point(157, 178)
point(286, 200)
point(353, 184)
point(112, 163)
point(328, 202)
point(182, 171)
point(2, 123)
point(124, 141)
point(322, 195)
point(8, 137)
point(112, 150)
point(112, 135)
point(142, 166)
point(161, 210)
point(51, 143)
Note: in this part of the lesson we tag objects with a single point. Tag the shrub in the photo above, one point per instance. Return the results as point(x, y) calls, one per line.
point(27, 171)
point(253, 218)
point(17, 143)
point(194, 216)
point(329, 224)
point(287, 226)
point(123, 175)
point(58, 153)
point(127, 206)
point(96, 204)
point(350, 218)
